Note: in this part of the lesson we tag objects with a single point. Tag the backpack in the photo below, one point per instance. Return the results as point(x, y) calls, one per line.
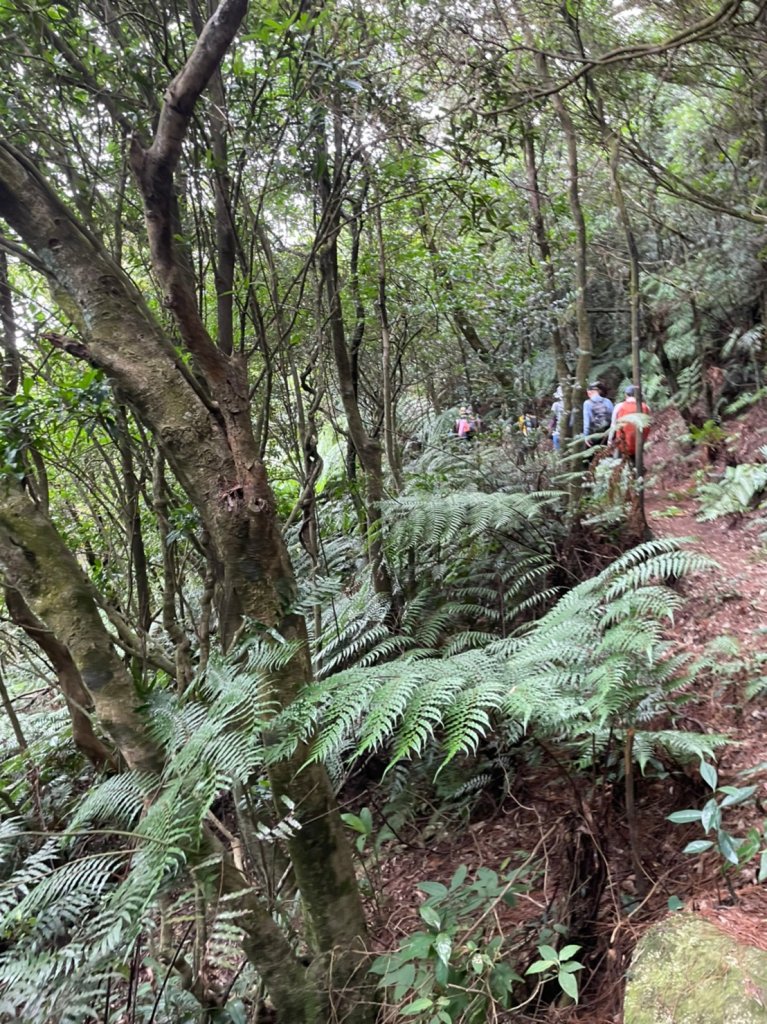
point(600, 416)
point(625, 437)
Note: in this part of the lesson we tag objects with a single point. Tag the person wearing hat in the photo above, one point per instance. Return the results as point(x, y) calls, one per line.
point(623, 435)
point(597, 415)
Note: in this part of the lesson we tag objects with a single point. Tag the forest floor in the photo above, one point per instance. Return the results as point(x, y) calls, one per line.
point(579, 831)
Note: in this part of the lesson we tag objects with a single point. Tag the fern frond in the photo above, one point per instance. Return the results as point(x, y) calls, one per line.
point(118, 800)
point(682, 747)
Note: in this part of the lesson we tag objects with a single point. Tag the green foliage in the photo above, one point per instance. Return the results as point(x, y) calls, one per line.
point(559, 965)
point(43, 778)
point(734, 851)
point(593, 665)
point(742, 488)
point(472, 644)
point(709, 435)
point(456, 969)
point(744, 401)
point(38, 410)
point(73, 901)
point(446, 518)
point(362, 824)
point(609, 494)
point(468, 567)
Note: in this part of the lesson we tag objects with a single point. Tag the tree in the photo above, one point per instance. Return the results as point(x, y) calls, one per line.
point(200, 418)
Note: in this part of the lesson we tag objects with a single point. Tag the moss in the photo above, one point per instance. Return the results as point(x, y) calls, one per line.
point(686, 971)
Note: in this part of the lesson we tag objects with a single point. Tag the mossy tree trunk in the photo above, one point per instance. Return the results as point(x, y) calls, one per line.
point(35, 562)
point(79, 700)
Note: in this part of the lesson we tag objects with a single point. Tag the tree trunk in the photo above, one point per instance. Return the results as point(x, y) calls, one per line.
point(79, 700)
point(583, 325)
point(634, 303)
point(542, 241)
point(35, 561)
point(389, 413)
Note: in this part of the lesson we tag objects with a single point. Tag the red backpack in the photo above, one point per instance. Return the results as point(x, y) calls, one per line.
point(625, 434)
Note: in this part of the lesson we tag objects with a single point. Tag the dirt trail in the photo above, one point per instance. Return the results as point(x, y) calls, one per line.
point(733, 600)
point(729, 602)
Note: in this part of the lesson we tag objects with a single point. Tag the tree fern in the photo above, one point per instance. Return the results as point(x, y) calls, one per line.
point(426, 521)
point(597, 659)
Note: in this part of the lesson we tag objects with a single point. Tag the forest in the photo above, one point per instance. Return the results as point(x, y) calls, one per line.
point(352, 667)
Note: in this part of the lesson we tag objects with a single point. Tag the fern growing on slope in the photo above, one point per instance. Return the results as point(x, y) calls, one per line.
point(594, 663)
point(466, 567)
point(742, 488)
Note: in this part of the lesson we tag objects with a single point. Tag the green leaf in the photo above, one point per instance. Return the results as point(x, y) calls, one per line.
point(430, 916)
point(417, 1007)
point(708, 774)
point(749, 847)
point(502, 980)
point(698, 846)
point(459, 877)
point(568, 984)
point(441, 973)
point(443, 946)
point(540, 966)
point(736, 795)
point(684, 817)
point(727, 847)
point(571, 967)
point(674, 903)
point(436, 889)
point(549, 953)
point(567, 952)
point(710, 816)
point(402, 981)
point(418, 946)
point(381, 964)
point(354, 822)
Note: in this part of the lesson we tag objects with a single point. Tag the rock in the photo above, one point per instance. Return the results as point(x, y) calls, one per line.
point(686, 971)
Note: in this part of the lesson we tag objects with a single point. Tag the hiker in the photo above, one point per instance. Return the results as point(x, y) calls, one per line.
point(467, 424)
point(527, 422)
point(597, 416)
point(623, 436)
point(557, 415)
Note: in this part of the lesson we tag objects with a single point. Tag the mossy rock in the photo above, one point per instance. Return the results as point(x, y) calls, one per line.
point(686, 971)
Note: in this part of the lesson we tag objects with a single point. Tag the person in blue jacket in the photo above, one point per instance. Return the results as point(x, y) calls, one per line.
point(597, 416)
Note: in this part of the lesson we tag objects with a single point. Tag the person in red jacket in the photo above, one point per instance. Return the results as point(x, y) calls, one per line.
point(623, 435)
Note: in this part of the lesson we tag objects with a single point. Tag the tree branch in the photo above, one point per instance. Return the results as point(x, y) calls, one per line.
point(695, 33)
point(154, 169)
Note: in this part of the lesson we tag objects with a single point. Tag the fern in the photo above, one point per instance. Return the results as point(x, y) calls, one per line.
point(741, 489)
point(425, 522)
point(596, 660)
point(744, 401)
